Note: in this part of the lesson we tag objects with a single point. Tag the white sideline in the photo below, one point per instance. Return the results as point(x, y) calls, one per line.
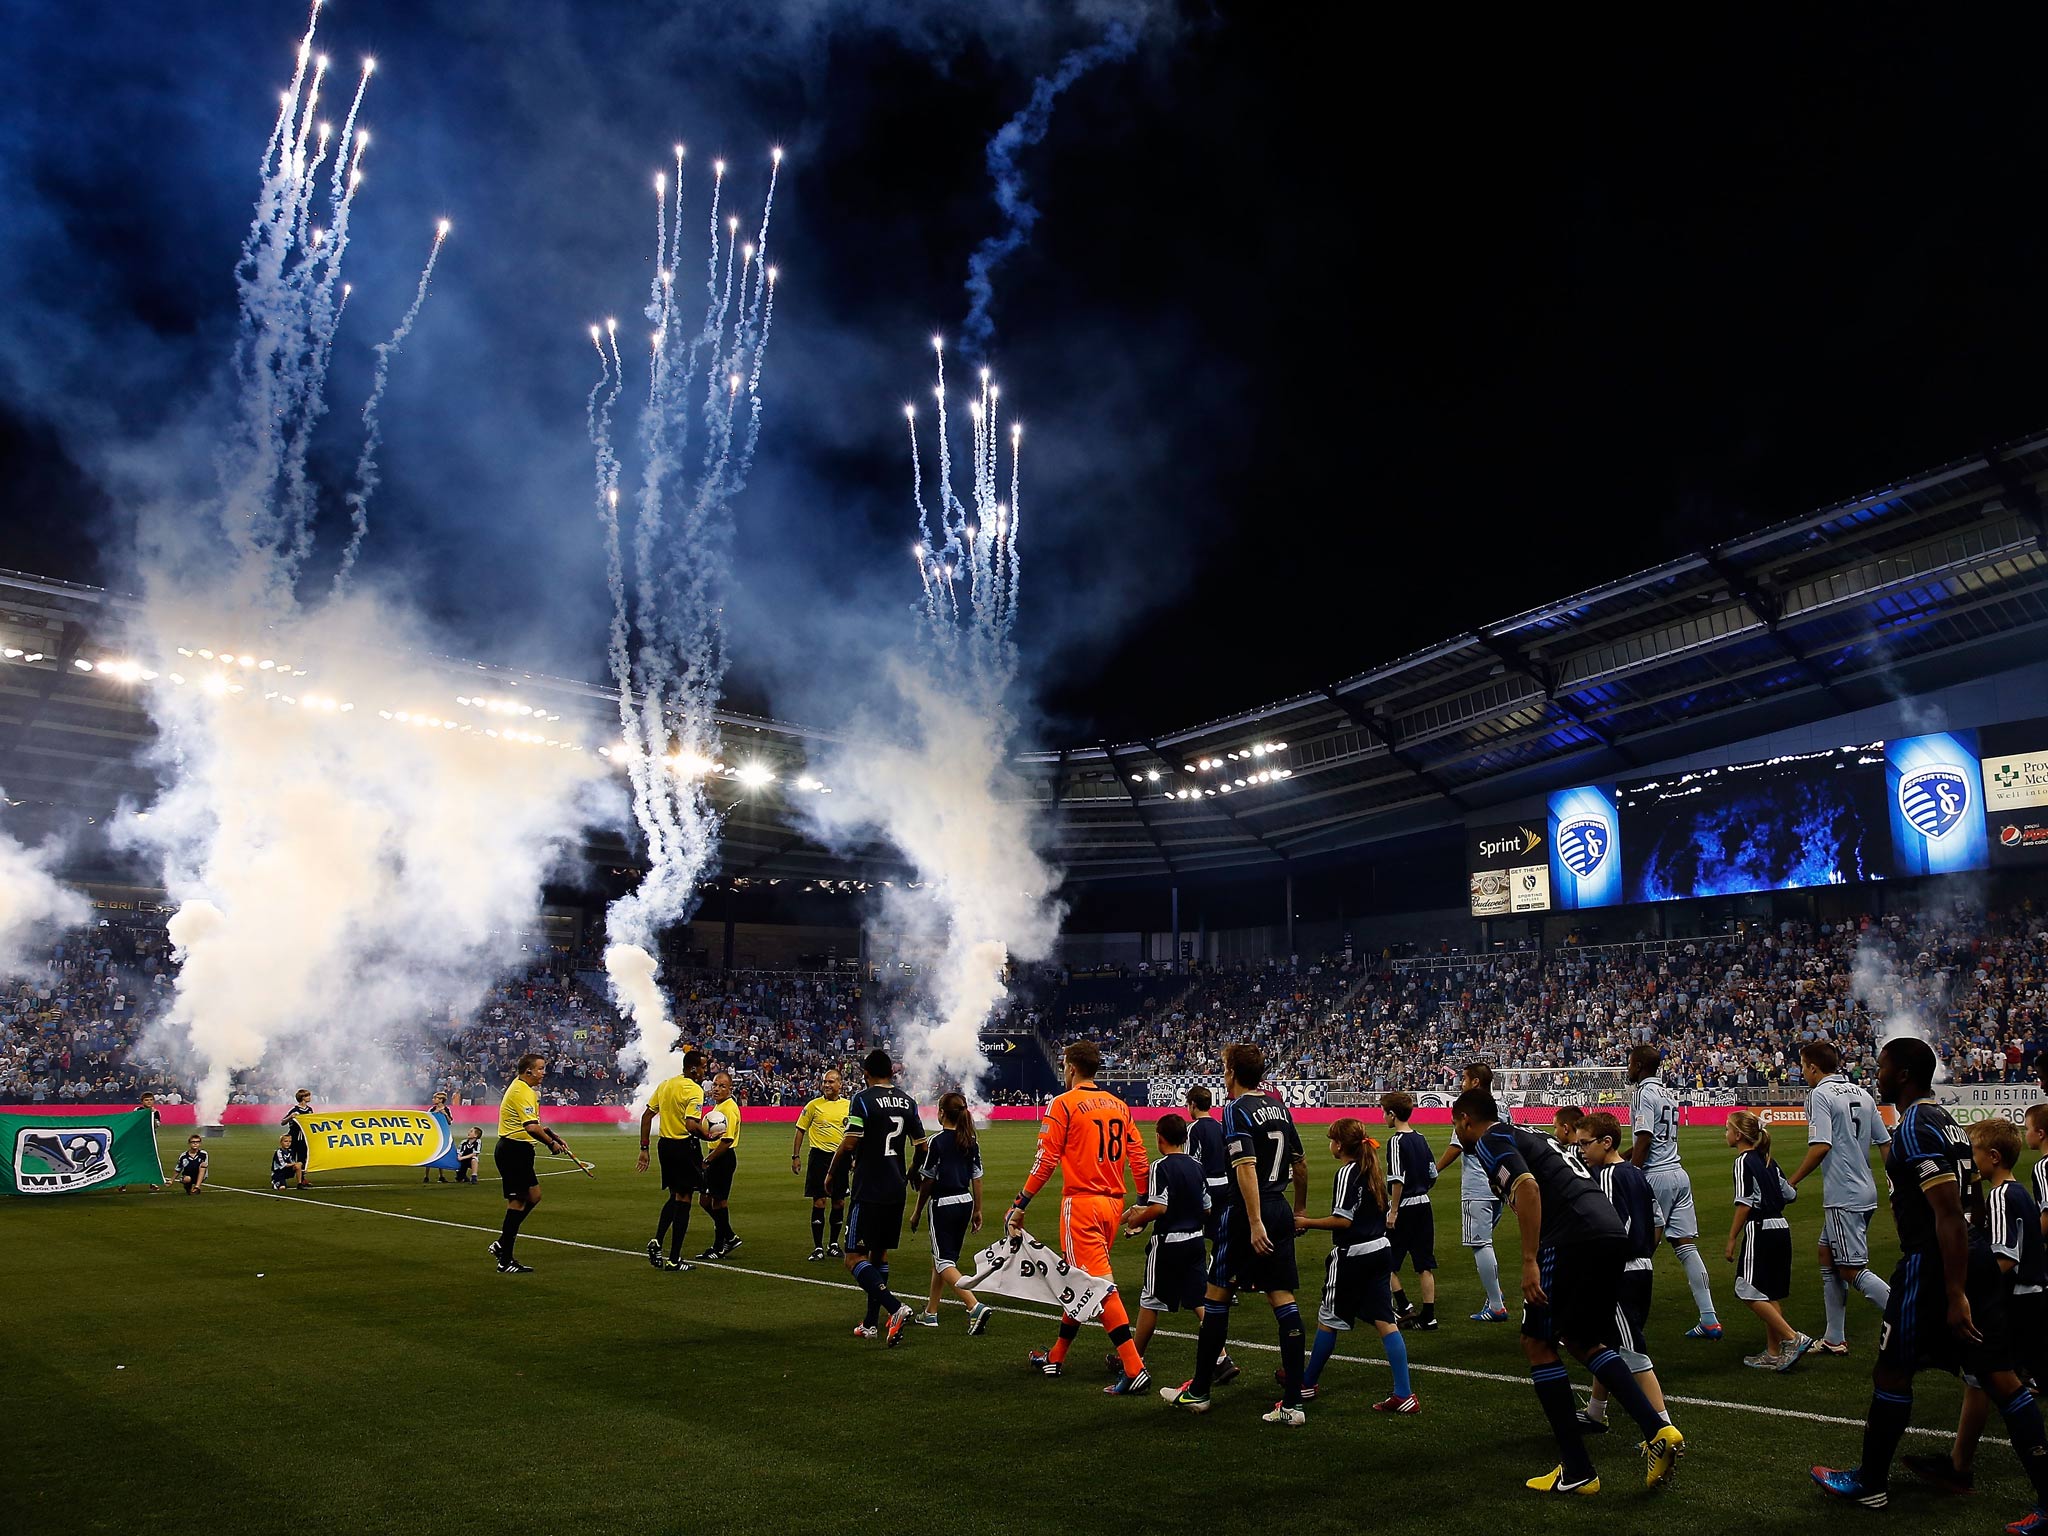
point(721, 1266)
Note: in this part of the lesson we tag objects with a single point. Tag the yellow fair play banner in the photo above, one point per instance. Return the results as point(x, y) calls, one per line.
point(377, 1138)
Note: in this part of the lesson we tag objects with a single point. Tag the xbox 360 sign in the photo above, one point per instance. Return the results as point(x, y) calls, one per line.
point(1509, 866)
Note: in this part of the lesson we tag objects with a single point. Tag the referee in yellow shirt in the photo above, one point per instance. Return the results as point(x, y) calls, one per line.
point(678, 1104)
point(519, 1128)
point(721, 1159)
point(825, 1119)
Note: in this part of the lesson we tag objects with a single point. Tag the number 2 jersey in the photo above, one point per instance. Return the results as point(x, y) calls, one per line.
point(1257, 1129)
point(886, 1121)
point(1575, 1208)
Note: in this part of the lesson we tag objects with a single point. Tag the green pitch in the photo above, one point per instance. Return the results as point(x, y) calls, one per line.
point(242, 1363)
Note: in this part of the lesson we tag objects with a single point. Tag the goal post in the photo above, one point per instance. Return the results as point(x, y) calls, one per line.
point(1554, 1087)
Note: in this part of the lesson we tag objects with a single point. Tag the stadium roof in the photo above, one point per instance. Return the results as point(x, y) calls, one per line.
point(1905, 589)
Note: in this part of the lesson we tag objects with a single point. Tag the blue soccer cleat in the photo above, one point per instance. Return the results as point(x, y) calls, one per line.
point(1850, 1486)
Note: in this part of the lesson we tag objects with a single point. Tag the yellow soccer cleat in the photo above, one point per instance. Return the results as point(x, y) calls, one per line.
point(1553, 1482)
point(1661, 1452)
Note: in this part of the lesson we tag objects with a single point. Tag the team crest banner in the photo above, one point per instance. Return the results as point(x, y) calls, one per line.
point(71, 1154)
point(377, 1138)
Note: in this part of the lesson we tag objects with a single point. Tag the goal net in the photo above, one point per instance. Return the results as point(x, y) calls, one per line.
point(1555, 1087)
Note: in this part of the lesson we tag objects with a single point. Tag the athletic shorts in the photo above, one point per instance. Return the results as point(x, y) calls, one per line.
point(515, 1166)
point(817, 1178)
point(1583, 1282)
point(1763, 1261)
point(1088, 1225)
point(1632, 1320)
point(1357, 1287)
point(1671, 1191)
point(1241, 1267)
point(1176, 1271)
point(1481, 1217)
point(682, 1164)
point(949, 1232)
point(1916, 1337)
point(874, 1226)
point(718, 1176)
point(1847, 1234)
point(1414, 1239)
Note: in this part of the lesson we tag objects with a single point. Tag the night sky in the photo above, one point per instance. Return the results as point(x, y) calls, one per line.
point(1337, 333)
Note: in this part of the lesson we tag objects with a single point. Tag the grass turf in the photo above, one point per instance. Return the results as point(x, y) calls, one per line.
point(238, 1361)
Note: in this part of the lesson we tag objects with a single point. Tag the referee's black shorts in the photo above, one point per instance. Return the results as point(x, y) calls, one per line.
point(515, 1166)
point(817, 1178)
point(718, 1176)
point(682, 1164)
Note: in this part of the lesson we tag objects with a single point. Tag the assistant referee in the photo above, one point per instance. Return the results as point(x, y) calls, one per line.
point(824, 1118)
point(519, 1128)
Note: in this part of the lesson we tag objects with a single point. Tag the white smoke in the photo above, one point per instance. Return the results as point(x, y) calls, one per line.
point(31, 901)
point(939, 787)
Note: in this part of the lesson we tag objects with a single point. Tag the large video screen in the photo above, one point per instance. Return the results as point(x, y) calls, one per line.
point(1817, 818)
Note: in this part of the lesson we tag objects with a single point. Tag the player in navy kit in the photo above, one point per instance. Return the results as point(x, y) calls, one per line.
point(1941, 1279)
point(1573, 1250)
point(1257, 1251)
point(1411, 1225)
point(882, 1131)
point(1205, 1146)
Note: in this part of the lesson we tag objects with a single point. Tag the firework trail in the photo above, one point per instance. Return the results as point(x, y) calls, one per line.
point(664, 644)
point(1021, 132)
point(367, 478)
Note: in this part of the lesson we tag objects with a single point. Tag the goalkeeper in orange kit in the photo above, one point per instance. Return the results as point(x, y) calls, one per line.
point(1089, 1136)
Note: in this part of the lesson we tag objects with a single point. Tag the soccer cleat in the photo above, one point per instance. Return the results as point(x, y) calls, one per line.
point(2032, 1523)
point(1940, 1471)
point(926, 1319)
point(1408, 1404)
point(1704, 1331)
point(1828, 1347)
point(1791, 1354)
point(1850, 1485)
point(865, 1330)
point(1490, 1315)
point(1308, 1393)
point(1184, 1396)
point(1041, 1360)
point(1280, 1413)
point(1227, 1371)
point(654, 1251)
point(1661, 1452)
point(898, 1321)
point(1124, 1386)
point(680, 1266)
point(1553, 1482)
point(513, 1267)
point(977, 1320)
point(816, 1254)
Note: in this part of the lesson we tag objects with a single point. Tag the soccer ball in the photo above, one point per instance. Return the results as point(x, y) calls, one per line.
point(714, 1123)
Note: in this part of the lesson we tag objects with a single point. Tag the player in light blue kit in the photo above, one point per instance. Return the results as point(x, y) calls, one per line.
point(1842, 1125)
point(1655, 1119)
point(1480, 1207)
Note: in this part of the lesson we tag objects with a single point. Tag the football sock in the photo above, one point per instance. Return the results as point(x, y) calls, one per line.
point(2023, 1418)
point(1836, 1296)
point(838, 1216)
point(1696, 1277)
point(1554, 1391)
point(1293, 1338)
point(1872, 1289)
point(1215, 1329)
point(508, 1234)
point(1318, 1356)
point(1397, 1356)
point(1118, 1322)
point(1621, 1386)
point(677, 1231)
point(818, 1229)
point(1069, 1331)
point(668, 1218)
point(1890, 1412)
point(1489, 1276)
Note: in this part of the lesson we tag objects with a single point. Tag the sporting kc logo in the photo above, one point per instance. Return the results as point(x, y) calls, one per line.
point(1582, 844)
point(53, 1161)
point(1934, 800)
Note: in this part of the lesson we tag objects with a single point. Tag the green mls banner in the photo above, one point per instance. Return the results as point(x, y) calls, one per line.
point(58, 1154)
